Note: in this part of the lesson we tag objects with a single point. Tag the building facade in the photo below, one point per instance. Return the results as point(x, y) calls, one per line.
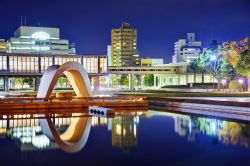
point(39, 40)
point(148, 61)
point(33, 65)
point(3, 46)
point(186, 50)
point(124, 51)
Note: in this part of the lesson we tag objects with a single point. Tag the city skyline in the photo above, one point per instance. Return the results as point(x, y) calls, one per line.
point(159, 24)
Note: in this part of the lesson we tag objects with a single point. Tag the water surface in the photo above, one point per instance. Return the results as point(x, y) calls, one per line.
point(156, 138)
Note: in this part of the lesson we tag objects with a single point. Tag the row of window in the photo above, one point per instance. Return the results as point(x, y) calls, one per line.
point(30, 64)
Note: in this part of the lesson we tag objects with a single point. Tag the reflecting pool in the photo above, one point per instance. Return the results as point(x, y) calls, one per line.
point(153, 138)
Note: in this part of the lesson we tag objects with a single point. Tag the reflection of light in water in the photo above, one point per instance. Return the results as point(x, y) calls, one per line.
point(26, 140)
point(190, 126)
point(213, 126)
point(136, 119)
point(139, 113)
point(40, 141)
point(118, 129)
point(124, 131)
point(135, 130)
point(99, 121)
point(31, 135)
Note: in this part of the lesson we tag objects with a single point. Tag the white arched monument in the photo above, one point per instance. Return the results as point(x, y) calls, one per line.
point(76, 74)
point(76, 135)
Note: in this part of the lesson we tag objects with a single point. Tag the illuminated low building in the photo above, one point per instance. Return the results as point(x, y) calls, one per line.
point(39, 40)
point(3, 46)
point(33, 65)
point(148, 61)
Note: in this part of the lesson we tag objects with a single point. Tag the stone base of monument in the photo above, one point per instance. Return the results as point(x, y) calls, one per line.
point(64, 94)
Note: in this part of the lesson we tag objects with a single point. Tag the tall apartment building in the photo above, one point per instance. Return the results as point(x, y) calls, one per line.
point(186, 50)
point(39, 40)
point(124, 50)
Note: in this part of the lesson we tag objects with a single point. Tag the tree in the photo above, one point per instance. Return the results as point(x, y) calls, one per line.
point(28, 80)
point(195, 68)
point(210, 61)
point(237, 54)
point(24, 80)
point(243, 65)
point(62, 80)
point(201, 62)
point(149, 80)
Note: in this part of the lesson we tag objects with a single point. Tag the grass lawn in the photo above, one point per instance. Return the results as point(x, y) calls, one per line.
point(162, 93)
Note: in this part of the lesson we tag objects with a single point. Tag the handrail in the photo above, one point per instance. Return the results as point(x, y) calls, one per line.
point(32, 99)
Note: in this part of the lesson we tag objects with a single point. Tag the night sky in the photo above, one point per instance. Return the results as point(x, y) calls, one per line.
point(160, 23)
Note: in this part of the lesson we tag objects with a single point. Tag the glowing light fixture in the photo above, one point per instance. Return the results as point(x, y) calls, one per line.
point(224, 82)
point(40, 36)
point(241, 81)
point(213, 58)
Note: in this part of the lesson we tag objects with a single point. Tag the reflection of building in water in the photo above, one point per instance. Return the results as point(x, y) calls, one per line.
point(124, 132)
point(183, 126)
point(28, 133)
point(97, 121)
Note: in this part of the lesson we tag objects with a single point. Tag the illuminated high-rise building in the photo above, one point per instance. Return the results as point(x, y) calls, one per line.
point(124, 50)
point(124, 132)
point(39, 40)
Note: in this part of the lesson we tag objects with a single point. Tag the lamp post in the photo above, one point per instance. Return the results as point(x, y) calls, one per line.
point(213, 59)
point(241, 81)
point(224, 83)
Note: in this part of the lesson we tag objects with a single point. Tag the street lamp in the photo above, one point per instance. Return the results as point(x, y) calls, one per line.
point(223, 83)
point(241, 81)
point(213, 58)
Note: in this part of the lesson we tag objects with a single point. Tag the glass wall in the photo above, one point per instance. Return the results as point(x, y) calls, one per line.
point(27, 63)
point(59, 60)
point(103, 65)
point(3, 62)
point(90, 64)
point(46, 62)
point(23, 64)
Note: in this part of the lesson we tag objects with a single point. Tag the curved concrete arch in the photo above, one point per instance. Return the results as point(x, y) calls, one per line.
point(76, 135)
point(76, 75)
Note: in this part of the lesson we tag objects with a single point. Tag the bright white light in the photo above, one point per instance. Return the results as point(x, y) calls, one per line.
point(40, 36)
point(241, 81)
point(213, 58)
point(213, 126)
point(224, 82)
point(40, 141)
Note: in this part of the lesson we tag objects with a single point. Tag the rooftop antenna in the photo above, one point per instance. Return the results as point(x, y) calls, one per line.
point(24, 20)
point(21, 20)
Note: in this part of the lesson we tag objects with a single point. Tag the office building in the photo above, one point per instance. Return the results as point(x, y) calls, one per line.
point(39, 40)
point(186, 50)
point(124, 51)
point(148, 61)
point(3, 46)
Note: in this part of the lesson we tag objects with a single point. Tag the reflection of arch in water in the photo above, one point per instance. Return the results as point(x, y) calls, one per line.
point(76, 135)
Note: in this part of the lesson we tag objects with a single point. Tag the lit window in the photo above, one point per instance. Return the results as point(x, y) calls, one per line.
point(40, 36)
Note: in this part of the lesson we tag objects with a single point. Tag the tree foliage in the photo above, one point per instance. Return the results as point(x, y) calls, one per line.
point(24, 80)
point(149, 80)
